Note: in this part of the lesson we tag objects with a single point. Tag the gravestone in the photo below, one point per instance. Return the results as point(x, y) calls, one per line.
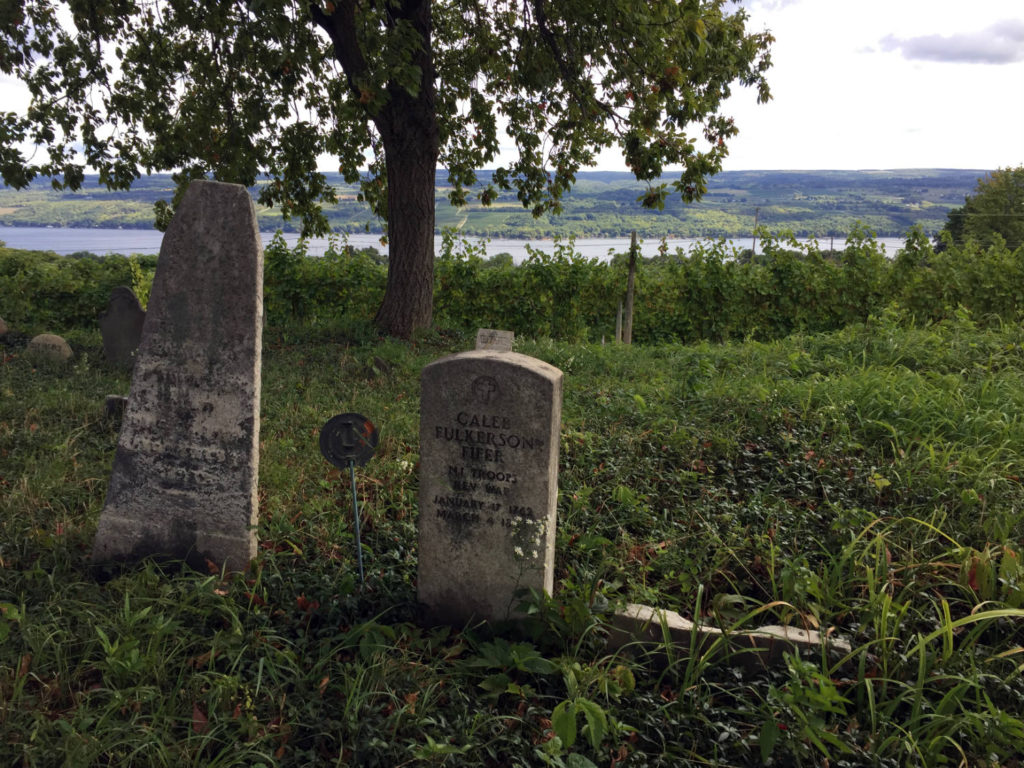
point(184, 479)
point(497, 341)
point(49, 347)
point(489, 427)
point(121, 327)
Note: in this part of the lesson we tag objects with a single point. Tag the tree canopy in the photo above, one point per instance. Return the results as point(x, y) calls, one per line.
point(257, 91)
point(995, 209)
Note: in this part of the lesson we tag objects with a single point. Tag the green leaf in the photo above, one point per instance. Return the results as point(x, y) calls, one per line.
point(623, 677)
point(597, 721)
point(496, 684)
point(563, 722)
point(576, 760)
point(768, 735)
point(538, 665)
point(591, 541)
point(437, 748)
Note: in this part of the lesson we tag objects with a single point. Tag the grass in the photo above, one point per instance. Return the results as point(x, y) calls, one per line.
point(867, 483)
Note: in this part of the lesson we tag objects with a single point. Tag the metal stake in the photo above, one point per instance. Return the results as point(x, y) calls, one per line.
point(346, 440)
point(355, 512)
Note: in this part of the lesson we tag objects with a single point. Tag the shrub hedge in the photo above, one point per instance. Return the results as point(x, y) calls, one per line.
point(713, 292)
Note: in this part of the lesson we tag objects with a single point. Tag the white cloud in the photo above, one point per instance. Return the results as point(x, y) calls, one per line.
point(1000, 43)
point(842, 100)
point(765, 5)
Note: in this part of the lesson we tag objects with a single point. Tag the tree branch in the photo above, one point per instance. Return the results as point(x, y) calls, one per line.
point(340, 26)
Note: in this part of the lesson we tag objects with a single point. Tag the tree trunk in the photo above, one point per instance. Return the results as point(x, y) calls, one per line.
point(408, 128)
point(411, 136)
point(408, 304)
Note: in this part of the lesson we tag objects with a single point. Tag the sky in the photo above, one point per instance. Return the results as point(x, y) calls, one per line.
point(872, 84)
point(869, 84)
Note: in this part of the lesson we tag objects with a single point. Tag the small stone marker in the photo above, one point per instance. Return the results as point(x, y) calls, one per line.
point(496, 341)
point(121, 326)
point(489, 428)
point(49, 347)
point(184, 479)
point(750, 648)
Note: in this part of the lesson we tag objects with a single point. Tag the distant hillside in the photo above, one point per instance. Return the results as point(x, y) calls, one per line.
point(602, 204)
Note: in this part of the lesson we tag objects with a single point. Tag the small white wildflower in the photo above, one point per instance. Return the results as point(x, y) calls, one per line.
point(518, 551)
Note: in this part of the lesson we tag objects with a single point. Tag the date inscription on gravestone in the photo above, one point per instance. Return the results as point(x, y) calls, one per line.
point(489, 429)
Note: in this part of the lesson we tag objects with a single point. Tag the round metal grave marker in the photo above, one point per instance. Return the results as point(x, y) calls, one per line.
point(348, 439)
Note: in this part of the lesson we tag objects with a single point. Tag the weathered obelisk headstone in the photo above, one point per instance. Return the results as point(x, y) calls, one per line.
point(489, 426)
point(183, 483)
point(121, 327)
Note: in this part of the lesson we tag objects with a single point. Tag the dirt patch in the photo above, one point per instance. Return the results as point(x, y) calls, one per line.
point(4, 211)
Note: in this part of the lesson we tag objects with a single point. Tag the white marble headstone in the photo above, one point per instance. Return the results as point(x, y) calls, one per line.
point(489, 430)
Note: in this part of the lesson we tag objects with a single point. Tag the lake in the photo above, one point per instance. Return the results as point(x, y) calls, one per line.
point(126, 241)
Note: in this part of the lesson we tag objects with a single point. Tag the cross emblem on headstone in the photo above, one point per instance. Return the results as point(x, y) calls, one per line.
point(484, 387)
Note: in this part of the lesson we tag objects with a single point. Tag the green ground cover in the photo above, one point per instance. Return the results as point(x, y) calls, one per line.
point(865, 481)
